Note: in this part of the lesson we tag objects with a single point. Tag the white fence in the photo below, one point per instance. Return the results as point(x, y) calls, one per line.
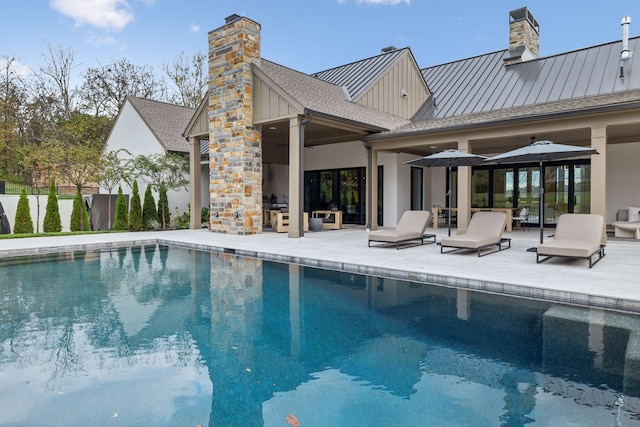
point(10, 205)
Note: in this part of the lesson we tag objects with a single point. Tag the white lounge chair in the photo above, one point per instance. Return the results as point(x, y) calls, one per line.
point(484, 231)
point(411, 227)
point(576, 236)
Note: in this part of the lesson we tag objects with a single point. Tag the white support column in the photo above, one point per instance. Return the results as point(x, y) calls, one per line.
point(464, 191)
point(295, 171)
point(599, 173)
point(372, 176)
point(195, 204)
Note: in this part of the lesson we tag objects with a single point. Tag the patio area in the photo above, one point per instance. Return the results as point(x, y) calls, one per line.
point(613, 283)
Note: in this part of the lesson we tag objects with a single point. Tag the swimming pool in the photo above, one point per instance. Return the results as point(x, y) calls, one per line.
point(160, 335)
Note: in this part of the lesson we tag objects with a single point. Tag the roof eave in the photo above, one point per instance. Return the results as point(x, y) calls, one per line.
point(510, 121)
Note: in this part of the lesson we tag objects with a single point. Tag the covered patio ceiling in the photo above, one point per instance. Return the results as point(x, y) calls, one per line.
point(275, 137)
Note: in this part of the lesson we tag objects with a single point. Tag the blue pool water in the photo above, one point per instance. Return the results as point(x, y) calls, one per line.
point(177, 337)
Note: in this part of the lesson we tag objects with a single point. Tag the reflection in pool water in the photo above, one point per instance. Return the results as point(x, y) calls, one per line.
point(170, 336)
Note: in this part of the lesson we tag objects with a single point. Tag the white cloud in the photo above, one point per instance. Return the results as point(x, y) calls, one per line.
point(16, 67)
point(112, 15)
point(194, 28)
point(385, 2)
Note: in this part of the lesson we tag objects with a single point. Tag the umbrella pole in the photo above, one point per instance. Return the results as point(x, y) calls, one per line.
point(541, 217)
point(449, 202)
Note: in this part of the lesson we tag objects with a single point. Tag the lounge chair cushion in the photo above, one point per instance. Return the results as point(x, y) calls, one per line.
point(411, 226)
point(634, 214)
point(485, 228)
point(576, 235)
point(393, 236)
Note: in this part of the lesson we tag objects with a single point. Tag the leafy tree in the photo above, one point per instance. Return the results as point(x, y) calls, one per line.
point(52, 221)
point(163, 208)
point(149, 212)
point(164, 172)
point(135, 212)
point(79, 215)
point(111, 171)
point(23, 223)
point(190, 79)
point(121, 222)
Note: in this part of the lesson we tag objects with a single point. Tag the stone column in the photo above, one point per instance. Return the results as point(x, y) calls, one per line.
point(235, 147)
point(599, 174)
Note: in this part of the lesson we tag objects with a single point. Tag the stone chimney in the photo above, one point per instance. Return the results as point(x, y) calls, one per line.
point(524, 36)
point(235, 147)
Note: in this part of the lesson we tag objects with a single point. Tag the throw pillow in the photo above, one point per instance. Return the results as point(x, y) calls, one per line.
point(634, 214)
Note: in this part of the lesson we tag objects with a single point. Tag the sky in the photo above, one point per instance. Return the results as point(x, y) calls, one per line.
point(305, 35)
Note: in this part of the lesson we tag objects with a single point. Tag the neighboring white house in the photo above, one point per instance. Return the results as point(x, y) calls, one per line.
point(145, 127)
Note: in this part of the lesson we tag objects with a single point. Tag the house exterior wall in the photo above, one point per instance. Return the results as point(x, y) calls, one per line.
point(386, 94)
point(397, 175)
point(623, 178)
point(132, 134)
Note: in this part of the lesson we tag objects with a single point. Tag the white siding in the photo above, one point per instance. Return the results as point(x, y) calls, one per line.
point(131, 133)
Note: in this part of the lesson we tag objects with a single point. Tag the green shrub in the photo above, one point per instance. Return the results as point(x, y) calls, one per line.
point(23, 223)
point(149, 212)
point(164, 216)
point(79, 214)
point(204, 215)
point(52, 221)
point(121, 221)
point(135, 212)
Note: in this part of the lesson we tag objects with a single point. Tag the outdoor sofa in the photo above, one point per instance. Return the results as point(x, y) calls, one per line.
point(484, 231)
point(627, 222)
point(411, 227)
point(576, 236)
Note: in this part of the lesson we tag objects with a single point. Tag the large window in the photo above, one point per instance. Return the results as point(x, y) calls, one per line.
point(342, 189)
point(567, 188)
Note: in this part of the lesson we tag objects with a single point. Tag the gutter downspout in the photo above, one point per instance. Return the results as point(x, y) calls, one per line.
point(301, 160)
point(369, 183)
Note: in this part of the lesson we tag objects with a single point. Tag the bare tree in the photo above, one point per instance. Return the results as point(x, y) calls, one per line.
point(54, 77)
point(13, 96)
point(190, 79)
point(105, 87)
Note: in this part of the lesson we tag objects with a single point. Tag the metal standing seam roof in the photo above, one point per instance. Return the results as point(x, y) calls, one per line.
point(166, 122)
point(356, 77)
point(484, 84)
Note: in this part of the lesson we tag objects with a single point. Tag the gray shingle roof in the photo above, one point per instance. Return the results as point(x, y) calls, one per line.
point(483, 84)
point(357, 76)
point(166, 122)
point(325, 97)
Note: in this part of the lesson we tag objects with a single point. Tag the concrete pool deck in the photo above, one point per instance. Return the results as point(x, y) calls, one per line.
point(613, 283)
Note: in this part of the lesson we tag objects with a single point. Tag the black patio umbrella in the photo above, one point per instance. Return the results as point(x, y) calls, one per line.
point(542, 151)
point(449, 158)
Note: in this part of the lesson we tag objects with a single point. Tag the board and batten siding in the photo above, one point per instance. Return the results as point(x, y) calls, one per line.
point(386, 93)
point(269, 105)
